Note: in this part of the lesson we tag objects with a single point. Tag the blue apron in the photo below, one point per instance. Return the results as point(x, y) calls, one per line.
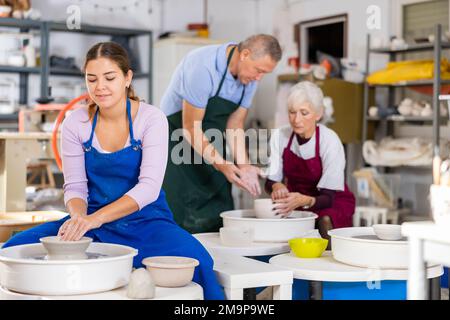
point(151, 230)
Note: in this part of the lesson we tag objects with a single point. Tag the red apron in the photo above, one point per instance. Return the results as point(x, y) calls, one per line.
point(304, 175)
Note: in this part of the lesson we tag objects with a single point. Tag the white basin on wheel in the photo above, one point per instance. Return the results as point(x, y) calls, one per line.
point(271, 230)
point(24, 269)
point(360, 247)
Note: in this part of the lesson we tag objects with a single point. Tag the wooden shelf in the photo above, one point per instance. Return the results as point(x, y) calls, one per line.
point(13, 69)
point(400, 118)
point(77, 73)
point(20, 23)
point(411, 48)
point(417, 83)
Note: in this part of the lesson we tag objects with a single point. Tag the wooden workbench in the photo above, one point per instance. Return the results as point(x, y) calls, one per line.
point(16, 150)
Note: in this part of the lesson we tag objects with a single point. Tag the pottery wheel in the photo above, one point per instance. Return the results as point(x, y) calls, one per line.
point(374, 237)
point(90, 255)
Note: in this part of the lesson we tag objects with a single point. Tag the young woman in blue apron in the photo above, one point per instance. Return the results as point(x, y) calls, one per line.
point(110, 176)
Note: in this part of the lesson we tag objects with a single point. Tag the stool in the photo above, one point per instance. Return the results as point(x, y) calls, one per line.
point(372, 215)
point(260, 251)
point(393, 216)
point(236, 273)
point(42, 168)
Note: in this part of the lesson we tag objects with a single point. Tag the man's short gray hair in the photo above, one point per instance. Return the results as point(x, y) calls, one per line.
point(306, 92)
point(261, 45)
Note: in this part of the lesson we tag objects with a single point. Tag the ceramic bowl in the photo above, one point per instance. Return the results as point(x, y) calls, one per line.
point(58, 249)
point(265, 209)
point(171, 271)
point(308, 247)
point(388, 231)
point(236, 236)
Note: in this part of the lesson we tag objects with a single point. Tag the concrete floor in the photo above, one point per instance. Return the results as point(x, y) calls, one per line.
point(444, 294)
point(266, 294)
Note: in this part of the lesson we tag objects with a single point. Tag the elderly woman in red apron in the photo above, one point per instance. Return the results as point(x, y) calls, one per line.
point(307, 164)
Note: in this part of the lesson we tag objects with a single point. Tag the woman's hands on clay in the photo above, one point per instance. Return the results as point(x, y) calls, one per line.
point(293, 200)
point(77, 226)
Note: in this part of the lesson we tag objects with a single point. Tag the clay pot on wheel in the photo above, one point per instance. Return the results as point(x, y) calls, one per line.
point(65, 250)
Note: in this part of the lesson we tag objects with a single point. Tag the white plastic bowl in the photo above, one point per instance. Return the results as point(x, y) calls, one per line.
point(171, 271)
point(236, 236)
point(390, 232)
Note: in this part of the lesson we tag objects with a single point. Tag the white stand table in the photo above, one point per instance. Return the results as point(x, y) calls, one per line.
point(192, 291)
point(326, 268)
point(256, 249)
point(428, 242)
point(236, 272)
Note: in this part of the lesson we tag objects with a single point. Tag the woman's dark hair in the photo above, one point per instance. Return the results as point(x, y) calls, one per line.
point(116, 53)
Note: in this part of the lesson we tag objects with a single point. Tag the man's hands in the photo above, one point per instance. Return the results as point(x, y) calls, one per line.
point(250, 175)
point(245, 177)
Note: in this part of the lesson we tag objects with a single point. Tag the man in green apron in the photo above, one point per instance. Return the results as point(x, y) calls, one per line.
point(208, 99)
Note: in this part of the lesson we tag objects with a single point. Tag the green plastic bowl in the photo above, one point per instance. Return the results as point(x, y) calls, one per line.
point(308, 247)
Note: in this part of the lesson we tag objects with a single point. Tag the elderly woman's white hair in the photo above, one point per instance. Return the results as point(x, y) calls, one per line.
point(306, 92)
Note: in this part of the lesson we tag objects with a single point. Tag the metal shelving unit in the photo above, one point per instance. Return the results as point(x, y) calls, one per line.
point(97, 30)
point(10, 69)
point(45, 71)
point(436, 82)
point(24, 25)
point(385, 125)
point(9, 121)
point(75, 73)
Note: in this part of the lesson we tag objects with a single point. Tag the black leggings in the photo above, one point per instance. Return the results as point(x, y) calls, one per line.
point(324, 224)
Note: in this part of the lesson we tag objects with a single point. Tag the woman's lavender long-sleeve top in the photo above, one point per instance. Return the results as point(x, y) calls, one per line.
point(150, 126)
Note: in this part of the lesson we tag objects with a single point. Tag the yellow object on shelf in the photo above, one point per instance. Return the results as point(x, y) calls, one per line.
point(308, 247)
point(203, 33)
point(411, 70)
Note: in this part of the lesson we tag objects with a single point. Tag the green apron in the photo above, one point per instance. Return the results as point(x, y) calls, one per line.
point(198, 193)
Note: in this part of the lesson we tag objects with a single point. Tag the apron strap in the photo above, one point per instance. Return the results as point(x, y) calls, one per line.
point(135, 143)
point(290, 140)
point(317, 141)
point(225, 72)
point(224, 75)
point(88, 144)
point(130, 121)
